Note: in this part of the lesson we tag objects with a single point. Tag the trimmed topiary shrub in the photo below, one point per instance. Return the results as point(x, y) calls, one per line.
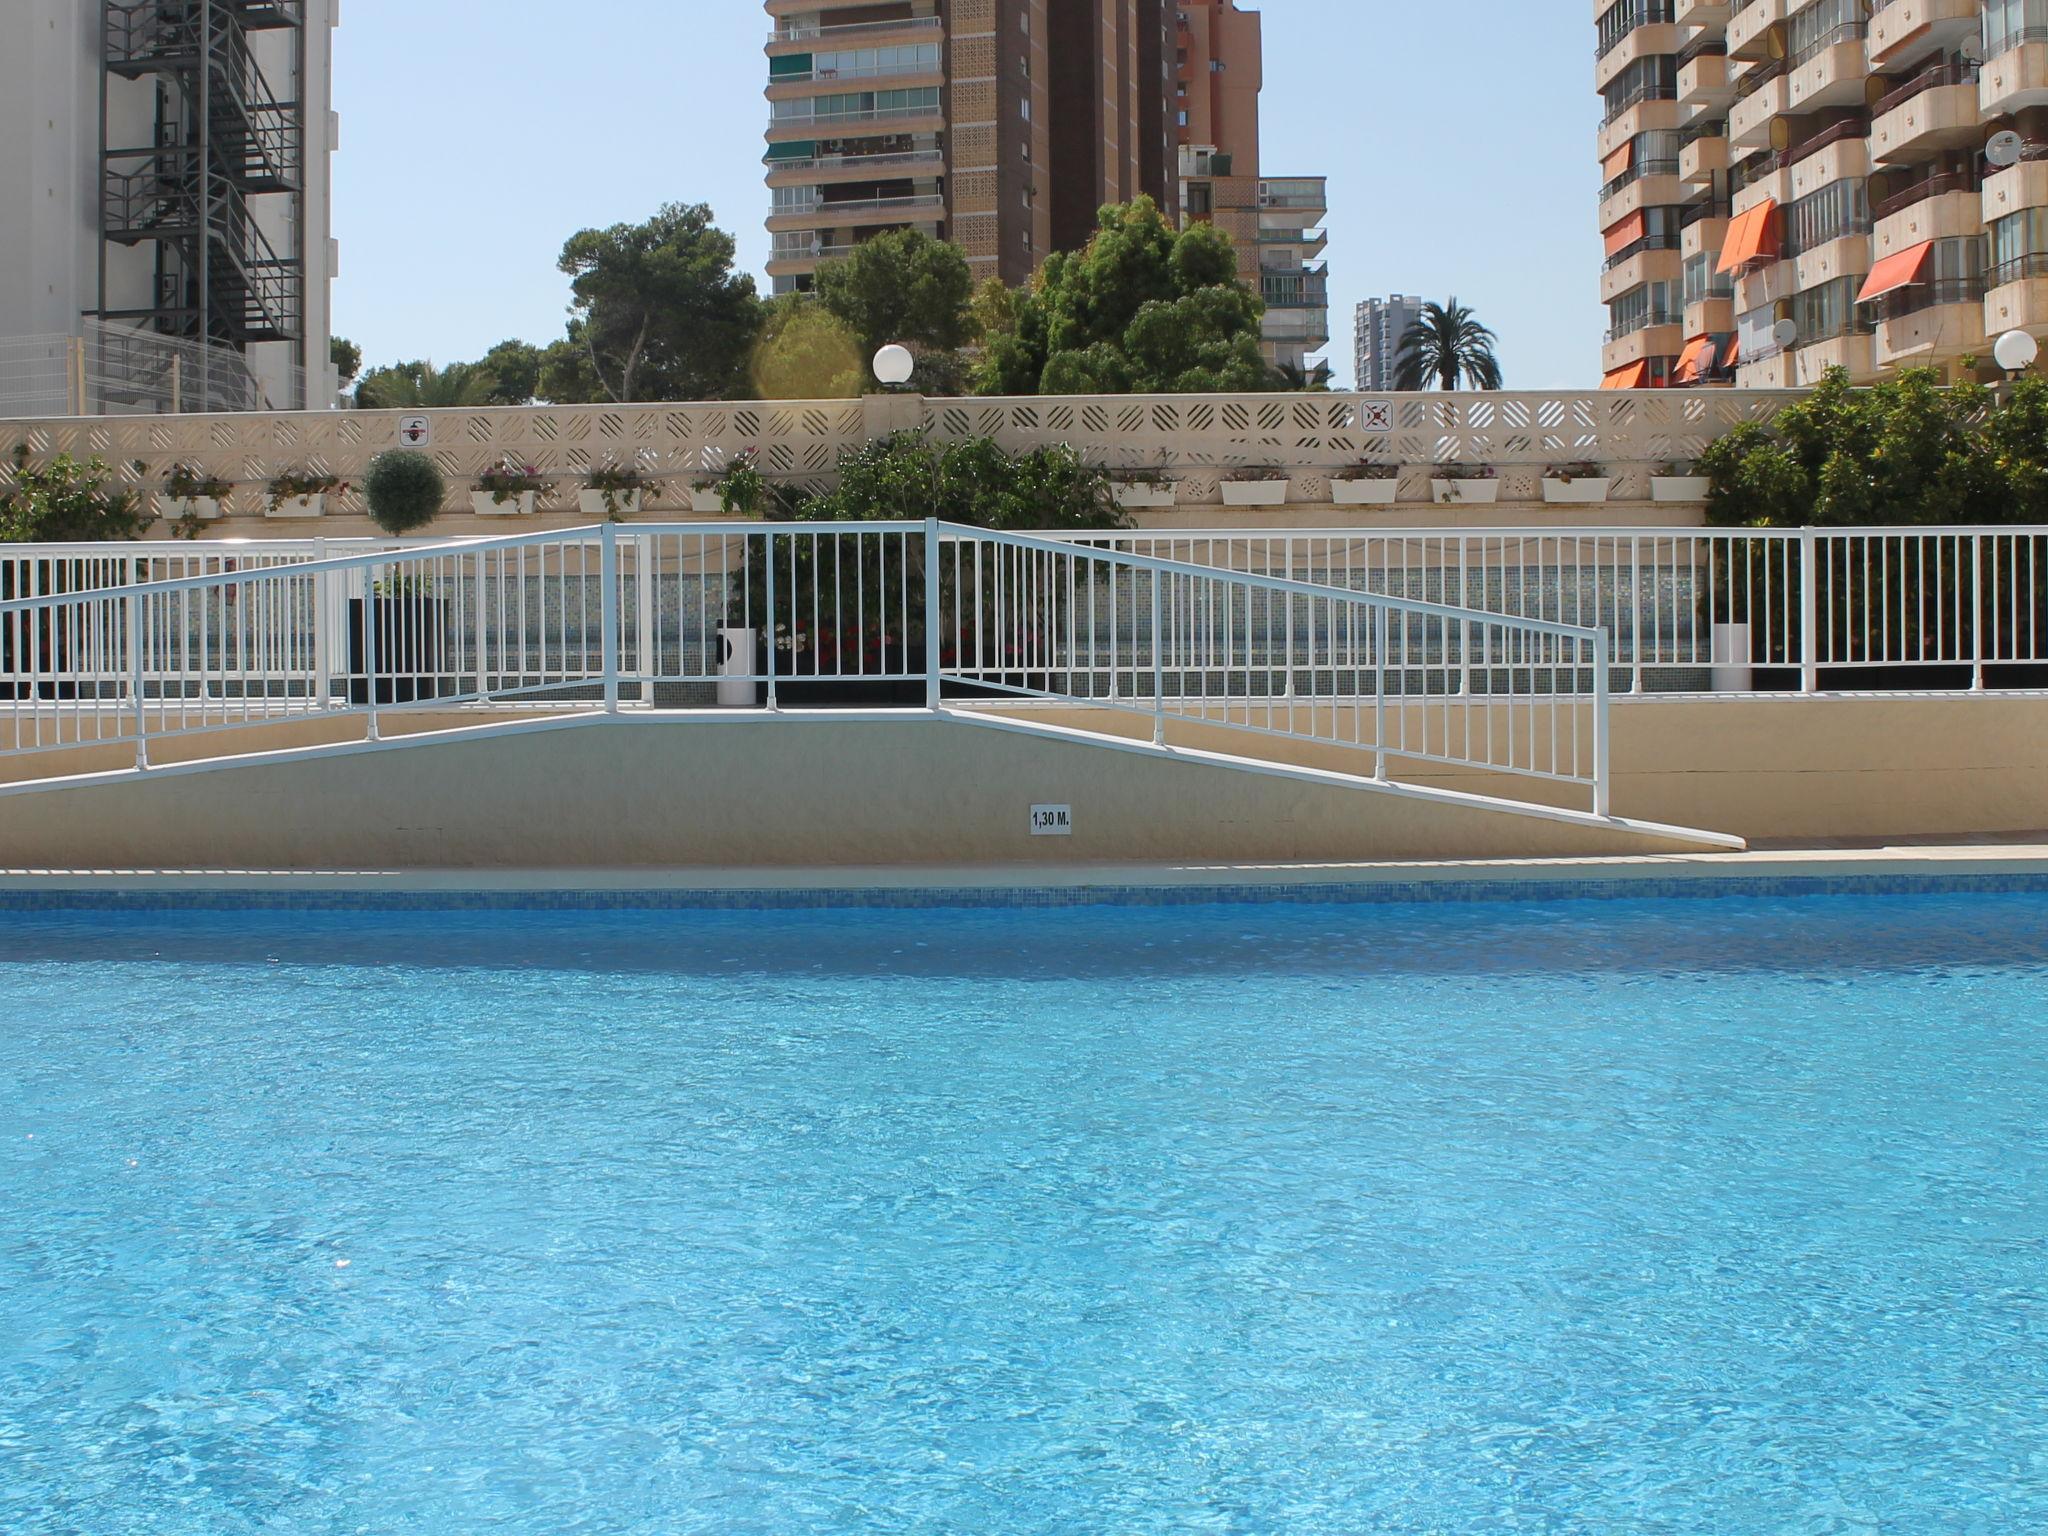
point(405, 490)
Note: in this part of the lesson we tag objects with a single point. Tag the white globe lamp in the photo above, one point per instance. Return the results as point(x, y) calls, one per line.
point(2016, 351)
point(894, 365)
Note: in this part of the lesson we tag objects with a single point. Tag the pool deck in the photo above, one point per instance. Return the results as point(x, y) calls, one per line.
point(2018, 862)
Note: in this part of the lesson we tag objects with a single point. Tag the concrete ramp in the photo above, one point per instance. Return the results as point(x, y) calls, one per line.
point(799, 790)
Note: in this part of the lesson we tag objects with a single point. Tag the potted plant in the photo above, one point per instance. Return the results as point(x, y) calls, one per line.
point(739, 489)
point(1365, 484)
point(506, 489)
point(190, 496)
point(1679, 482)
point(405, 490)
point(1141, 488)
point(1255, 485)
point(1576, 482)
point(296, 495)
point(611, 492)
point(412, 618)
point(1466, 484)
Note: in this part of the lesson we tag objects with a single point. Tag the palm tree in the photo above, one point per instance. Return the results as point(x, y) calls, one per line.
point(1449, 346)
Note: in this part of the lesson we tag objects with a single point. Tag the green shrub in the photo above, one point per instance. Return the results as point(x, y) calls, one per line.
point(65, 502)
point(405, 490)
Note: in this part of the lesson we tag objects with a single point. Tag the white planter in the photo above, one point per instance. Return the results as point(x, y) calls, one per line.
point(591, 504)
point(1255, 493)
point(297, 506)
point(485, 504)
point(1691, 488)
point(1363, 493)
point(707, 503)
point(1581, 491)
point(204, 508)
point(1732, 672)
point(1141, 495)
point(1471, 493)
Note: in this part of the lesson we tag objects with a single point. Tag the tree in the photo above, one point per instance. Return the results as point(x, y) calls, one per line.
point(901, 286)
point(347, 358)
point(1449, 346)
point(658, 308)
point(514, 371)
point(422, 386)
point(1144, 309)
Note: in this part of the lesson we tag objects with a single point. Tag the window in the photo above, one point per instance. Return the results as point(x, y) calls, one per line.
point(2009, 23)
point(1651, 79)
point(1625, 16)
point(1821, 26)
point(1702, 282)
point(2019, 246)
point(1839, 209)
point(1823, 313)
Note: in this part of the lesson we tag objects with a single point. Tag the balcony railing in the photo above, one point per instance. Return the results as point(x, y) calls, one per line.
point(871, 72)
point(1629, 253)
point(861, 115)
point(1834, 37)
point(921, 157)
point(904, 204)
point(1920, 191)
point(2018, 269)
point(1926, 80)
point(1912, 299)
point(1643, 322)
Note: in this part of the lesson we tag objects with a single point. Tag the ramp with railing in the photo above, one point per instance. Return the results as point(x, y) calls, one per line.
point(108, 649)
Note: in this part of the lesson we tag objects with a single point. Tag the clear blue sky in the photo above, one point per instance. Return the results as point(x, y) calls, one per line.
point(1458, 142)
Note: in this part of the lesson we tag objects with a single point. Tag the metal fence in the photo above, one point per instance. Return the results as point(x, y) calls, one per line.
point(782, 616)
point(118, 370)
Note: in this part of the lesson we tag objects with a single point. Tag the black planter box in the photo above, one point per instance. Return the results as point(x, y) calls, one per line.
point(412, 649)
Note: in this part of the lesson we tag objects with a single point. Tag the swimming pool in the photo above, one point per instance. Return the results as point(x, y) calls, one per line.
point(1685, 1216)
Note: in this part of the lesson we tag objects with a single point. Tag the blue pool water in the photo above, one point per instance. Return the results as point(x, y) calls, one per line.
point(1722, 1216)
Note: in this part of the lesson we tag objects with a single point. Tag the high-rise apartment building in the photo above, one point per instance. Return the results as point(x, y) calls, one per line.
point(1379, 325)
point(1001, 125)
point(1275, 222)
point(1792, 187)
point(167, 174)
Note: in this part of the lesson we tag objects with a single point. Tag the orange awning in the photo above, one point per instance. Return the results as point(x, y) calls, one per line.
point(1698, 355)
point(1752, 237)
point(1896, 271)
point(1627, 232)
point(1618, 163)
point(1634, 376)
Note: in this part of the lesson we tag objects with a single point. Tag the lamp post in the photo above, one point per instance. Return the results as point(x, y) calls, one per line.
point(894, 365)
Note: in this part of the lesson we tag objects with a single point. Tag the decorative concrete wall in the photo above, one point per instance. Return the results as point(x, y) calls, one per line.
point(1193, 439)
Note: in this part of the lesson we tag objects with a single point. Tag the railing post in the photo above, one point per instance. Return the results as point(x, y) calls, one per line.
point(1379, 690)
point(769, 618)
point(1976, 611)
point(370, 646)
point(135, 679)
point(1809, 611)
point(323, 639)
point(1602, 778)
point(608, 612)
point(1158, 664)
point(932, 608)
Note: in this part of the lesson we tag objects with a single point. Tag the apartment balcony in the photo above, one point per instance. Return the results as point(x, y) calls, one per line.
point(1645, 42)
point(1664, 336)
point(882, 77)
point(1293, 202)
point(1852, 350)
point(1703, 159)
point(1705, 235)
point(1704, 85)
point(1847, 255)
point(1697, 14)
point(1309, 243)
point(1906, 29)
point(827, 170)
point(827, 35)
point(1642, 117)
point(1709, 317)
point(1934, 111)
point(874, 121)
point(1777, 371)
point(1938, 208)
point(2017, 78)
point(1302, 326)
point(2015, 188)
point(1749, 120)
point(922, 208)
point(2017, 299)
point(1769, 284)
point(1931, 323)
point(1658, 191)
point(1749, 28)
point(1840, 153)
point(1832, 73)
point(1639, 265)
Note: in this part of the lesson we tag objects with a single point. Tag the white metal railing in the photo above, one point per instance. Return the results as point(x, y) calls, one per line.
point(702, 615)
point(1734, 609)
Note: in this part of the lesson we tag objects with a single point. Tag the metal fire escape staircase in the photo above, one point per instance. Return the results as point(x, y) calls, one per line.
point(222, 136)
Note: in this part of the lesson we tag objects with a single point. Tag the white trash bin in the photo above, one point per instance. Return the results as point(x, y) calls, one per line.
point(1732, 672)
point(736, 687)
